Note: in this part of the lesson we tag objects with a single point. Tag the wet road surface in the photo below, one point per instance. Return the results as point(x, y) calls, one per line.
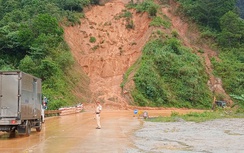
point(77, 134)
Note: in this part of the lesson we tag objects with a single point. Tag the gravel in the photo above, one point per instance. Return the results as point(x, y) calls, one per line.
point(217, 136)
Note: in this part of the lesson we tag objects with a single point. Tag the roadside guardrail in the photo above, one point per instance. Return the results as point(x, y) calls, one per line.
point(64, 111)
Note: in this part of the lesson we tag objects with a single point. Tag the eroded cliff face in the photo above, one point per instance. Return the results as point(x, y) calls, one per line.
point(112, 51)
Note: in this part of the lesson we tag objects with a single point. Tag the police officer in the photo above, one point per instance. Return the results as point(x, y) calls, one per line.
point(97, 113)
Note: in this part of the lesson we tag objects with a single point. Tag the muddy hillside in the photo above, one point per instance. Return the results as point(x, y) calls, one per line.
point(105, 47)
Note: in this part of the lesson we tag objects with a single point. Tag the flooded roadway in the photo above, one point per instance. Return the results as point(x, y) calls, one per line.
point(77, 134)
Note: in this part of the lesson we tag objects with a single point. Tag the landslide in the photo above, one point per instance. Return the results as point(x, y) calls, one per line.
point(105, 48)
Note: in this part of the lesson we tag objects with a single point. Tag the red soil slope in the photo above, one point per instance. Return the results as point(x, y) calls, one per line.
point(116, 48)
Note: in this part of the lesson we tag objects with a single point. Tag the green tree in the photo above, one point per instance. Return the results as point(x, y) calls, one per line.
point(208, 12)
point(25, 36)
point(40, 47)
point(28, 65)
point(9, 5)
point(232, 27)
point(9, 42)
point(46, 24)
point(47, 69)
point(16, 16)
point(73, 5)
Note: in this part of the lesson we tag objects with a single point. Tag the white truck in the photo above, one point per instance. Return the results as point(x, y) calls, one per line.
point(20, 102)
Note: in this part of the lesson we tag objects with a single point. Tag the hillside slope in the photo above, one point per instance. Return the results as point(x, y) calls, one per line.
point(105, 48)
point(115, 48)
point(191, 38)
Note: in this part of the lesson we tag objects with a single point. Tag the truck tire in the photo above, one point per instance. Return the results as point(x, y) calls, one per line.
point(28, 128)
point(39, 128)
point(12, 133)
point(43, 120)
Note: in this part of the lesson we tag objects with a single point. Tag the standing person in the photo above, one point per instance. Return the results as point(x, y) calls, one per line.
point(44, 102)
point(97, 113)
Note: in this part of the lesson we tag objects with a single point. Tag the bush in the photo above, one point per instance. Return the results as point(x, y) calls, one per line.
point(152, 10)
point(139, 99)
point(174, 34)
point(146, 6)
point(92, 39)
point(158, 21)
point(127, 14)
point(130, 24)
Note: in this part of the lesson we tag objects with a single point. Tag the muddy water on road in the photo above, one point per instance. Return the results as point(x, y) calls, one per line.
point(77, 134)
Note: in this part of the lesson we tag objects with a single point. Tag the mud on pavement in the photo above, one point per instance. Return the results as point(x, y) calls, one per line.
point(217, 136)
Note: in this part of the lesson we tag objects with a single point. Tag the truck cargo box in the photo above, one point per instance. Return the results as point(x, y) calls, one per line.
point(20, 101)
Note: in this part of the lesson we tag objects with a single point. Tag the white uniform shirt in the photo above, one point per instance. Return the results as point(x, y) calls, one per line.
point(98, 109)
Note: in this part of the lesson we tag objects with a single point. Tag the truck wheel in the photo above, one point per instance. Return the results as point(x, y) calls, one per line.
point(12, 133)
point(43, 120)
point(28, 128)
point(38, 129)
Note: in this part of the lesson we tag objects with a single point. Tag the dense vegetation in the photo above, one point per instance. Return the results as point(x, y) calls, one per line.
point(170, 75)
point(220, 20)
point(31, 40)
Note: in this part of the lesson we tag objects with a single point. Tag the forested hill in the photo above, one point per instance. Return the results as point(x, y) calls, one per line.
point(240, 5)
point(32, 40)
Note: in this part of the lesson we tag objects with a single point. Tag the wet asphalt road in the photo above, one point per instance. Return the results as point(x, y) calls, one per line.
point(77, 134)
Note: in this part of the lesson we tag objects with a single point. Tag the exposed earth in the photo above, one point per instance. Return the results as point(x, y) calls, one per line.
point(115, 49)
